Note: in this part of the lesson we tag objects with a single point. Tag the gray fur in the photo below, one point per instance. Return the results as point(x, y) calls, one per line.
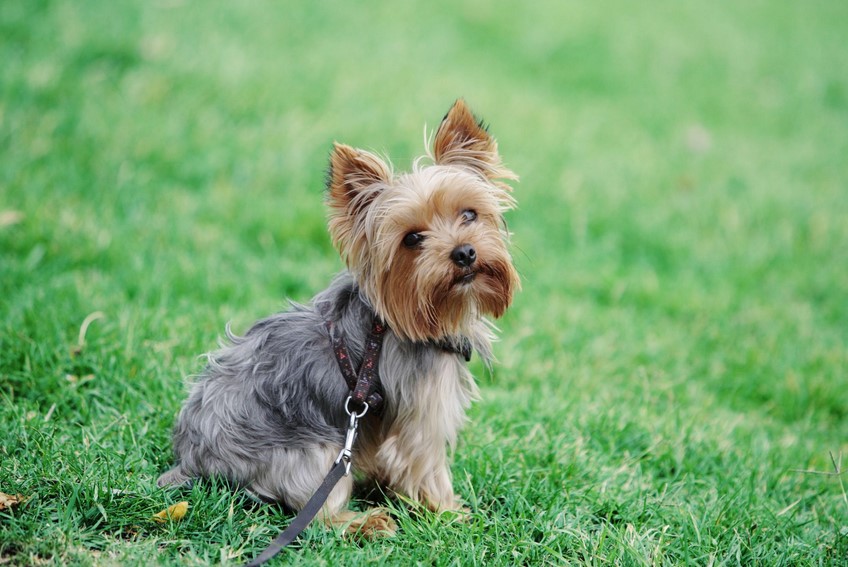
point(268, 409)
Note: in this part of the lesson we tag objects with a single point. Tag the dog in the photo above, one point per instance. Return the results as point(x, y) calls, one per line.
point(426, 255)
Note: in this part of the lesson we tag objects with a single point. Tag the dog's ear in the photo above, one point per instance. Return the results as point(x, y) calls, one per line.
point(463, 140)
point(354, 178)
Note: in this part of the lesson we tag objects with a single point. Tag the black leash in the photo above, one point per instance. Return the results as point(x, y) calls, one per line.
point(304, 516)
point(362, 392)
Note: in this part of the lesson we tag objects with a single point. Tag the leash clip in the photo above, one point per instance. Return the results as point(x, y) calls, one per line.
point(350, 436)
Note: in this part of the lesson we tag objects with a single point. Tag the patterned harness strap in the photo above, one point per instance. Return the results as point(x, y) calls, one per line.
point(364, 384)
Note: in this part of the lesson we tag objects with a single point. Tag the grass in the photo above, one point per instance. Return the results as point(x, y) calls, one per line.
point(677, 357)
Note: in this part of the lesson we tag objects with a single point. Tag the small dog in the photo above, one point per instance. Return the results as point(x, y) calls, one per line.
point(426, 254)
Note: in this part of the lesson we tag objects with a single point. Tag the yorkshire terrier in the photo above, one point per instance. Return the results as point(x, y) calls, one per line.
point(426, 254)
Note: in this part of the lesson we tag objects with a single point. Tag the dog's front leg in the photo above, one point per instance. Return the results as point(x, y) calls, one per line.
point(413, 458)
point(417, 467)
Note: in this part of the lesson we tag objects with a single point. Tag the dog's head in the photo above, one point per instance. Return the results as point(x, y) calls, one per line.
point(428, 248)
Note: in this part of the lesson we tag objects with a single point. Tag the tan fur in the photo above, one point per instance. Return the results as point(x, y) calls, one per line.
point(411, 455)
point(371, 210)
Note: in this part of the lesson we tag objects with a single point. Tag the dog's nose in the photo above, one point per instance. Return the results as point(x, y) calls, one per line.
point(464, 255)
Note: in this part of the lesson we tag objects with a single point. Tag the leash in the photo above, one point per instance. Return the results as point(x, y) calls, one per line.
point(362, 394)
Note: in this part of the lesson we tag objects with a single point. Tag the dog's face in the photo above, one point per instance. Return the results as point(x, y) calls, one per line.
point(428, 248)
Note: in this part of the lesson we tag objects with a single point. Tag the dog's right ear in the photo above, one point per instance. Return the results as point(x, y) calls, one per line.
point(354, 178)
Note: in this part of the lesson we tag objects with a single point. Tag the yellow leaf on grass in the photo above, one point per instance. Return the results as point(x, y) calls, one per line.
point(10, 500)
point(174, 512)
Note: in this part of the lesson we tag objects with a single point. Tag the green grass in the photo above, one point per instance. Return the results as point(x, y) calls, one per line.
point(679, 351)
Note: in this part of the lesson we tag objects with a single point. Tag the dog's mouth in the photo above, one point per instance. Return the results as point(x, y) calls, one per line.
point(465, 278)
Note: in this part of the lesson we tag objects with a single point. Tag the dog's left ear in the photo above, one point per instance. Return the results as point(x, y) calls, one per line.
point(463, 140)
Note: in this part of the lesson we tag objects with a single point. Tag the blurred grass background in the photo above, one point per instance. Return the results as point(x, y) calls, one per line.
point(678, 352)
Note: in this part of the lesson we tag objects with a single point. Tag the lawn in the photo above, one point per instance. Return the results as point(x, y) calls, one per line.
point(672, 381)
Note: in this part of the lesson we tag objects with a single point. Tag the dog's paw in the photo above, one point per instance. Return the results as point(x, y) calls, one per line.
point(375, 523)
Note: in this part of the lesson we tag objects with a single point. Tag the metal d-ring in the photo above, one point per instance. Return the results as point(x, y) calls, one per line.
point(354, 414)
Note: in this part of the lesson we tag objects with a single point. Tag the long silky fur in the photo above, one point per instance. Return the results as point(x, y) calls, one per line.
point(274, 396)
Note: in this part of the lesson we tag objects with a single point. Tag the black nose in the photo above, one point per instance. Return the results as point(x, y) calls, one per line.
point(463, 255)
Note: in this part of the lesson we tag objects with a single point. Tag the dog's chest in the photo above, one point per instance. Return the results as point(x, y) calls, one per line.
point(424, 405)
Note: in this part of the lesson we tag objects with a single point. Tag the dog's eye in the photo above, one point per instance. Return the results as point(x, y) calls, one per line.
point(413, 239)
point(468, 215)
